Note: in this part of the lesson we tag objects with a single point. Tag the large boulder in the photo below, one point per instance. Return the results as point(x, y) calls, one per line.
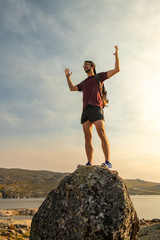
point(92, 203)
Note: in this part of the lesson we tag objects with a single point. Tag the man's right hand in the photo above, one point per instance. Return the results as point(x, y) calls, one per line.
point(70, 84)
point(68, 74)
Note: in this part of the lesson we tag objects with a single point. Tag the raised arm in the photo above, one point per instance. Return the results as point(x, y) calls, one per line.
point(70, 84)
point(117, 65)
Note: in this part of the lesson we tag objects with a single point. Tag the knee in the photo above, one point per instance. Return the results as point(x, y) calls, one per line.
point(88, 137)
point(101, 133)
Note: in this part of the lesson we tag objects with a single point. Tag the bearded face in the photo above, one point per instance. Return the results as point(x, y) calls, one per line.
point(87, 67)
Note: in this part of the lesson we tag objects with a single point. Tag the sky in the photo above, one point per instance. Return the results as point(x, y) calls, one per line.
point(40, 118)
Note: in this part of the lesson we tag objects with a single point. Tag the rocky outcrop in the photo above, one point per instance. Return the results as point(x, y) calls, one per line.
point(151, 232)
point(9, 230)
point(16, 212)
point(90, 204)
point(146, 222)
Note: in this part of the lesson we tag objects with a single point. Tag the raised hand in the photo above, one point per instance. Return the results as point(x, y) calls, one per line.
point(116, 52)
point(68, 74)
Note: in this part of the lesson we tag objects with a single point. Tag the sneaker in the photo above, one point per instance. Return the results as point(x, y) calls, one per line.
point(107, 164)
point(87, 164)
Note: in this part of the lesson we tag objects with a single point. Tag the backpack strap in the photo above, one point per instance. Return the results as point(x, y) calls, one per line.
point(103, 91)
point(99, 83)
point(97, 77)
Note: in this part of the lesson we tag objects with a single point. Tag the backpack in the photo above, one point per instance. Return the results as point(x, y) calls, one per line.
point(103, 92)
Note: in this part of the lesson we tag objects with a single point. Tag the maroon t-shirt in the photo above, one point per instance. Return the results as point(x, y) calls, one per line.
point(91, 91)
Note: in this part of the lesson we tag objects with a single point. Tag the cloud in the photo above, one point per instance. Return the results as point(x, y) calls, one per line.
point(39, 39)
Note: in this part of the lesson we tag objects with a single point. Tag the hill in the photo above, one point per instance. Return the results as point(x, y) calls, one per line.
point(20, 183)
point(141, 187)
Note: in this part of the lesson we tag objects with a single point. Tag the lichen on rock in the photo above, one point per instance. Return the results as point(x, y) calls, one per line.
point(92, 203)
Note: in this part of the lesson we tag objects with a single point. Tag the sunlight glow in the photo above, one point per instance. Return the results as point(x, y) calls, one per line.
point(150, 105)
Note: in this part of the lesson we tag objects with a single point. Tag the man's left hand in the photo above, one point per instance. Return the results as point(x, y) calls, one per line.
point(116, 52)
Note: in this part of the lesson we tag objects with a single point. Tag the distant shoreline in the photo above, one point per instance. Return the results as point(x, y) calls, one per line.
point(31, 198)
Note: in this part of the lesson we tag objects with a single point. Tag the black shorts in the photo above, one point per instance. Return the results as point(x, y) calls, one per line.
point(92, 113)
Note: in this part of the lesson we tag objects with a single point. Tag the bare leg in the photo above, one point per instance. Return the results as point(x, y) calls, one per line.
point(100, 127)
point(87, 129)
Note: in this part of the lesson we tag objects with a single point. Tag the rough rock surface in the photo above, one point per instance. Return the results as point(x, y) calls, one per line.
point(90, 204)
point(151, 232)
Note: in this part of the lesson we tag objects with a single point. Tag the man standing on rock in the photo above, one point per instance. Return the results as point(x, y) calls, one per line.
point(93, 107)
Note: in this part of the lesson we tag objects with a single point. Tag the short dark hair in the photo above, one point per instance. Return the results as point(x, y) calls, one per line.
point(92, 64)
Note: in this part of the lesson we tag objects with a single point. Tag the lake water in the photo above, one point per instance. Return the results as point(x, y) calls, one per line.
point(15, 203)
point(147, 206)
